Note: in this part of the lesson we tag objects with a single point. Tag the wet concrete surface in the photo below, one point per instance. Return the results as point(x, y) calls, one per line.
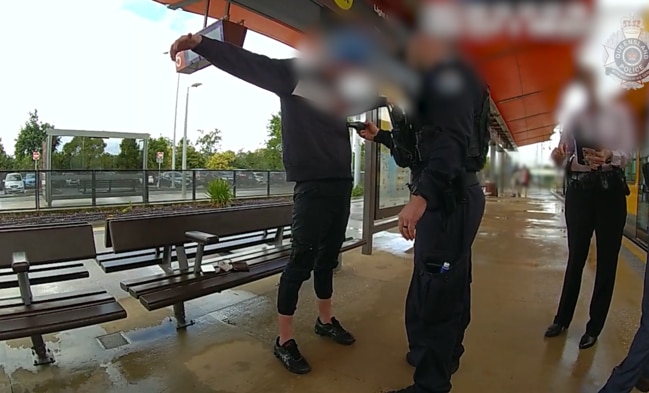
point(519, 260)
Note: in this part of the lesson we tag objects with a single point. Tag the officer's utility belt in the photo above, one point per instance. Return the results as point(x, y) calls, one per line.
point(471, 179)
point(612, 180)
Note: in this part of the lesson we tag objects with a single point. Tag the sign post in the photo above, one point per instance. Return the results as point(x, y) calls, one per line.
point(159, 158)
point(36, 156)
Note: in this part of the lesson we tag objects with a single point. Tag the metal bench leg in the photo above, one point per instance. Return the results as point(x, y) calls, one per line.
point(182, 258)
point(279, 237)
point(181, 319)
point(42, 355)
point(166, 259)
point(339, 266)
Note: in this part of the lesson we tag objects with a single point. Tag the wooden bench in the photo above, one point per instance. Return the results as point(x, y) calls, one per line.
point(112, 261)
point(176, 285)
point(39, 255)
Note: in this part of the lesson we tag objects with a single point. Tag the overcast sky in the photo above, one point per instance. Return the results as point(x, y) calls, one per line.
point(98, 65)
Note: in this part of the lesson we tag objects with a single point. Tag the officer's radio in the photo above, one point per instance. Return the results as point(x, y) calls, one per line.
point(405, 149)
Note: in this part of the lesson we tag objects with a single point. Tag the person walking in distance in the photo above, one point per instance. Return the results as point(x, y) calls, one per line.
point(319, 162)
point(595, 146)
point(525, 177)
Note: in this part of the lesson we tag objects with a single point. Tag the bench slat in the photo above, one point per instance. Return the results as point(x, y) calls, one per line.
point(53, 306)
point(48, 244)
point(65, 319)
point(42, 268)
point(111, 263)
point(213, 284)
point(47, 276)
point(130, 234)
point(163, 281)
point(137, 262)
point(13, 302)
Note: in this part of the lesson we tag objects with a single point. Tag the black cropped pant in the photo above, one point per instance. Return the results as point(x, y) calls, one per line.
point(588, 211)
point(320, 216)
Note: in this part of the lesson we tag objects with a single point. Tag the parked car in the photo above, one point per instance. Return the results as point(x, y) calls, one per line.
point(71, 180)
point(261, 177)
point(30, 180)
point(175, 179)
point(246, 178)
point(13, 184)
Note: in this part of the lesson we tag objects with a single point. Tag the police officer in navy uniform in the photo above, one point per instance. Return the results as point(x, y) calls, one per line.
point(444, 212)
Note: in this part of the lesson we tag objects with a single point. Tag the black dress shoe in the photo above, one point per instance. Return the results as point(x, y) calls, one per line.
point(643, 385)
point(587, 341)
point(554, 330)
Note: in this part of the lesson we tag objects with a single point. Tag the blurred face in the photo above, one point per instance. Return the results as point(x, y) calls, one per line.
point(424, 51)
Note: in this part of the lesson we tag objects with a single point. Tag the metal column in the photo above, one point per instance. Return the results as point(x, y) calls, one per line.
point(371, 192)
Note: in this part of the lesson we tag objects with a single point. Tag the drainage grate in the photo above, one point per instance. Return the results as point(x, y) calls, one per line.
point(113, 340)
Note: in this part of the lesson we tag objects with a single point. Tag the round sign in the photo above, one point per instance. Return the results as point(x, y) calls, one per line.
point(344, 4)
point(36, 156)
point(160, 154)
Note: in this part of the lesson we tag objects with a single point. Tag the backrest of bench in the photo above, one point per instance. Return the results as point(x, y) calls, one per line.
point(137, 233)
point(48, 244)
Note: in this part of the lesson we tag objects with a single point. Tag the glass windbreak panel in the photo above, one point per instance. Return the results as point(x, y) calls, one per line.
point(17, 190)
point(117, 187)
point(67, 188)
point(631, 169)
point(278, 185)
point(170, 186)
point(393, 180)
point(247, 184)
point(205, 177)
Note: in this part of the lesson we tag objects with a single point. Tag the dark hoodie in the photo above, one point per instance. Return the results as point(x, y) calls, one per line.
point(315, 144)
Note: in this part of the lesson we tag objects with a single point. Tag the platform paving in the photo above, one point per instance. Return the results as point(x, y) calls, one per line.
point(519, 259)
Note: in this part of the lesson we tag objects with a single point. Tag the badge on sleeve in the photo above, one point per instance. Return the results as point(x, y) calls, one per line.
point(448, 82)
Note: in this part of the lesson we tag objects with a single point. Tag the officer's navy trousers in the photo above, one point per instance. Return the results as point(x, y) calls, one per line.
point(438, 304)
point(636, 363)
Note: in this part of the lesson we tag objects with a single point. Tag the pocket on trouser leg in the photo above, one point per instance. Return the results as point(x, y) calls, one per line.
point(443, 293)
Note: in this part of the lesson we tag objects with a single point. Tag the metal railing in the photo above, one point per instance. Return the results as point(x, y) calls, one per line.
point(29, 190)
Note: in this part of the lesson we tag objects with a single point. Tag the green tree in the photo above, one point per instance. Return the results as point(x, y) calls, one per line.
point(251, 160)
point(222, 160)
point(31, 137)
point(84, 152)
point(160, 144)
point(129, 156)
point(209, 143)
point(6, 161)
point(273, 150)
point(194, 158)
point(108, 161)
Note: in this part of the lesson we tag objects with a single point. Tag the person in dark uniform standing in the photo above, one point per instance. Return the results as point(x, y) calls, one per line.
point(596, 144)
point(317, 157)
point(634, 369)
point(444, 212)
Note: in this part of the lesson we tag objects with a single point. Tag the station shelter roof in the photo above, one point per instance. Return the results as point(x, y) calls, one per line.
point(526, 78)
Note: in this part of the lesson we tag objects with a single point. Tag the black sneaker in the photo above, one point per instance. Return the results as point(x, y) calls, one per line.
point(334, 331)
point(291, 357)
point(409, 389)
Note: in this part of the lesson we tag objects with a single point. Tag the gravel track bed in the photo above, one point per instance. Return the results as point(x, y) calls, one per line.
point(100, 214)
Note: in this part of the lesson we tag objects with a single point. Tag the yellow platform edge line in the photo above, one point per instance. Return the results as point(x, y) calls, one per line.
point(635, 249)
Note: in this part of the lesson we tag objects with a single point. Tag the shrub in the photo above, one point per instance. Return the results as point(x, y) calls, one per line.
point(219, 192)
point(358, 191)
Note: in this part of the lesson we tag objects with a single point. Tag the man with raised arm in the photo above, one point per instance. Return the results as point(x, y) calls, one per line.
point(317, 157)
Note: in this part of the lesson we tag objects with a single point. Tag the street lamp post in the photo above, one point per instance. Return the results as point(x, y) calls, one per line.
point(173, 145)
point(184, 163)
